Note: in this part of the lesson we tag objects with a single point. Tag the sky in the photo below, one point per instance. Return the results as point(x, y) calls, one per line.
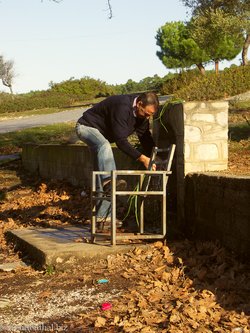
point(51, 41)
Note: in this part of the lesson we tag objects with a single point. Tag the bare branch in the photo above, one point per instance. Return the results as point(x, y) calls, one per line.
point(110, 10)
point(110, 15)
point(7, 73)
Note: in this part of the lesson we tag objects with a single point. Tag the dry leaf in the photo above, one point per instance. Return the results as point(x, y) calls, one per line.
point(158, 245)
point(137, 251)
point(142, 303)
point(158, 269)
point(158, 283)
point(100, 322)
point(155, 297)
point(166, 276)
point(147, 329)
point(45, 294)
point(126, 275)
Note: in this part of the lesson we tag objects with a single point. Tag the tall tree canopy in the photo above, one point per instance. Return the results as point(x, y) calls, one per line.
point(217, 33)
point(229, 6)
point(178, 48)
point(237, 8)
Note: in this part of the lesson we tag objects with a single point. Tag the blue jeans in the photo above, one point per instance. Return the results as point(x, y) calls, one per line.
point(103, 160)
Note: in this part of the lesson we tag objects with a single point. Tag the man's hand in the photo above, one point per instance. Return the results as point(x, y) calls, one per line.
point(145, 160)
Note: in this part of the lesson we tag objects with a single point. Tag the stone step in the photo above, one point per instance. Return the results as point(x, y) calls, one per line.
point(61, 247)
point(11, 266)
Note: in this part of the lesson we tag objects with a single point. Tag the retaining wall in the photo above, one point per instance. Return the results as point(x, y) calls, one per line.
point(72, 162)
point(217, 207)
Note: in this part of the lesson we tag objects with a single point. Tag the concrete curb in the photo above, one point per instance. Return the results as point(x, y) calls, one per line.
point(59, 247)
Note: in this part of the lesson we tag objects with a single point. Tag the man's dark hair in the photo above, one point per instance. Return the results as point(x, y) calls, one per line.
point(148, 98)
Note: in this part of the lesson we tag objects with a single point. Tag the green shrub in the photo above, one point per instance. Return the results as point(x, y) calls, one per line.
point(188, 85)
point(173, 83)
point(230, 82)
point(38, 100)
point(85, 88)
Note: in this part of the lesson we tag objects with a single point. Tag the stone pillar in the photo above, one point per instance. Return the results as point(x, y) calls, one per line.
point(205, 136)
point(200, 132)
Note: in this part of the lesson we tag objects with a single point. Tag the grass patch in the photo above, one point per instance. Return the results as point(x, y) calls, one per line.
point(237, 105)
point(57, 133)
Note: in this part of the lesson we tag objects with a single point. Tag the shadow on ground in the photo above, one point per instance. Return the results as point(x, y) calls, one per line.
point(186, 282)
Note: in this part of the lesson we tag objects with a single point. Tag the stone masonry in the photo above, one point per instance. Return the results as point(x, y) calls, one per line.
point(200, 132)
point(205, 136)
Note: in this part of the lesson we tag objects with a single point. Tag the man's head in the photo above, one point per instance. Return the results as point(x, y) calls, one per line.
point(146, 105)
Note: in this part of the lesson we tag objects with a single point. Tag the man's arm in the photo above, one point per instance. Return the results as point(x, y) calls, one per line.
point(127, 148)
point(147, 142)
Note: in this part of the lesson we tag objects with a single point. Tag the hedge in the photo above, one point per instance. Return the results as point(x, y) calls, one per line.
point(230, 82)
point(17, 103)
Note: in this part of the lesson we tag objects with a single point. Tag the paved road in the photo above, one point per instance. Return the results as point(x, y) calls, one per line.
point(35, 121)
point(54, 118)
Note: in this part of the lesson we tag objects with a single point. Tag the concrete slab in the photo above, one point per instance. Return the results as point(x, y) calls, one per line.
point(11, 266)
point(60, 247)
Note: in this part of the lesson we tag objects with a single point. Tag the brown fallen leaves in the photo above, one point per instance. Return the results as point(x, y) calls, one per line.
point(239, 158)
point(179, 287)
point(168, 295)
point(37, 203)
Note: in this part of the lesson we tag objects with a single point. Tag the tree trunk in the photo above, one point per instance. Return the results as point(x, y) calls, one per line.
point(245, 49)
point(6, 84)
point(216, 62)
point(201, 68)
point(11, 91)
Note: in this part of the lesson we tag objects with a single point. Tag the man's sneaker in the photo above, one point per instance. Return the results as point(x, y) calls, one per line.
point(121, 185)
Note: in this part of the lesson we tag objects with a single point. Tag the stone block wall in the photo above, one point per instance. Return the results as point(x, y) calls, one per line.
point(217, 208)
point(72, 162)
point(200, 132)
point(205, 136)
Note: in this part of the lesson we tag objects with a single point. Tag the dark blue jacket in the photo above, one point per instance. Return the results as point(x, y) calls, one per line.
point(115, 119)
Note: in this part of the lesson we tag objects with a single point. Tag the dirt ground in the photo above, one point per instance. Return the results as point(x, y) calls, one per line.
point(176, 286)
point(179, 286)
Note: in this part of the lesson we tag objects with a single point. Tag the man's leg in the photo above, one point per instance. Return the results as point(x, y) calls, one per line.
point(103, 160)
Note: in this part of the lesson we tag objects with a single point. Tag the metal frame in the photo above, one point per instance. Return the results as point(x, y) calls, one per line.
point(96, 196)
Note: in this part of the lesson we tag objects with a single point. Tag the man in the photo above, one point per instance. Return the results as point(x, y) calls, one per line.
point(114, 120)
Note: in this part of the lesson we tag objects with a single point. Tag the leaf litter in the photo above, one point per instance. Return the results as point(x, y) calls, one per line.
point(179, 286)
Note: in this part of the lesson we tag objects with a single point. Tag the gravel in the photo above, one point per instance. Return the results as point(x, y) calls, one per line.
point(31, 310)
